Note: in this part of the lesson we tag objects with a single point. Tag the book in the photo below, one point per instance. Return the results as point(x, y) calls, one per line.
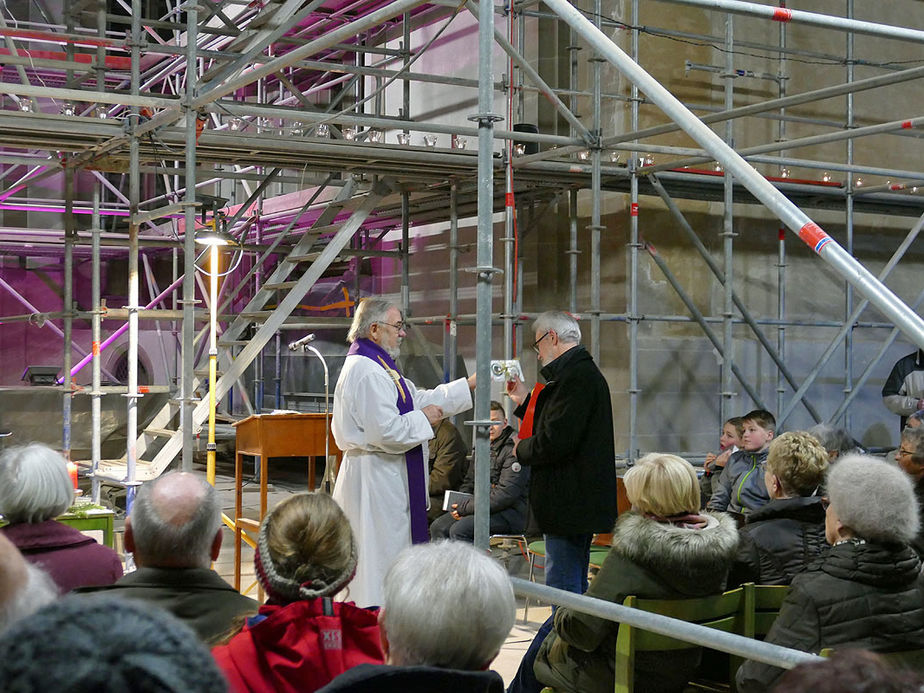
point(451, 497)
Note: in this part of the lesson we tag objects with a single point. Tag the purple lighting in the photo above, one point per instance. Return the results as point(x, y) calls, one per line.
point(60, 209)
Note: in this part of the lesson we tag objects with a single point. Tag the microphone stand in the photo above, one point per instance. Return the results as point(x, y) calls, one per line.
point(330, 476)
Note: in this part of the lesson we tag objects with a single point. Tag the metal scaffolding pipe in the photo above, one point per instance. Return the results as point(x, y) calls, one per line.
point(544, 89)
point(329, 39)
point(782, 14)
point(809, 232)
point(739, 304)
point(96, 324)
point(188, 326)
point(848, 323)
point(698, 316)
point(485, 272)
point(782, 102)
point(739, 645)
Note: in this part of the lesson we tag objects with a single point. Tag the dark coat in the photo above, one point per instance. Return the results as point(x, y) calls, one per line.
point(384, 678)
point(740, 487)
point(571, 453)
point(648, 559)
point(71, 558)
point(196, 596)
point(509, 482)
point(779, 541)
point(447, 465)
point(859, 595)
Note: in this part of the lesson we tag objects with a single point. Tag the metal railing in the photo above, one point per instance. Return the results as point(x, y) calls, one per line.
point(739, 645)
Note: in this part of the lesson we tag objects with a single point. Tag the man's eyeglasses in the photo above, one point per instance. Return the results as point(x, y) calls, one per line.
point(825, 502)
point(400, 325)
point(902, 451)
point(536, 343)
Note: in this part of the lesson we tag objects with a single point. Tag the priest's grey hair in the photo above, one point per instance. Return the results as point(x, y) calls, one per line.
point(369, 311)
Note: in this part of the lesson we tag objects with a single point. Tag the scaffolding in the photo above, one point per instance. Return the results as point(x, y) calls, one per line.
point(315, 128)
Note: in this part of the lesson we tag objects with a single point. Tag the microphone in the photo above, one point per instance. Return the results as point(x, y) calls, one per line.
point(295, 346)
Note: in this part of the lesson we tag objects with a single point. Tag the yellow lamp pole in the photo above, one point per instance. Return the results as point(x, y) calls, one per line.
point(213, 236)
point(213, 360)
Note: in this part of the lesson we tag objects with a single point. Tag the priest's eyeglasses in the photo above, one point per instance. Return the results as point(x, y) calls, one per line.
point(400, 325)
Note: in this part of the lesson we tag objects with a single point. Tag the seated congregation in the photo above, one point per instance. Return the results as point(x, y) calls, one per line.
point(837, 529)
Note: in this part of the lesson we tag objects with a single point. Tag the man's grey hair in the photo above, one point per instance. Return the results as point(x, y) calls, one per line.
point(38, 590)
point(370, 310)
point(447, 605)
point(874, 499)
point(160, 542)
point(914, 437)
point(833, 438)
point(34, 484)
point(560, 322)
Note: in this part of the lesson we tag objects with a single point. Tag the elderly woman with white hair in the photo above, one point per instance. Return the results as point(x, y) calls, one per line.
point(866, 592)
point(448, 610)
point(35, 488)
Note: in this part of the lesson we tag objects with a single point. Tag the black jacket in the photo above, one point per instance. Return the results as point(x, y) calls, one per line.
point(384, 678)
point(859, 595)
point(509, 482)
point(918, 542)
point(196, 596)
point(780, 540)
point(571, 453)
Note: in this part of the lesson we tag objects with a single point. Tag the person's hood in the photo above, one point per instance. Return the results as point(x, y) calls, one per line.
point(682, 557)
point(873, 563)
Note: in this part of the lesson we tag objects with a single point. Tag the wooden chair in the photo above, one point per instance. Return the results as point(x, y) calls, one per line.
point(722, 612)
point(760, 608)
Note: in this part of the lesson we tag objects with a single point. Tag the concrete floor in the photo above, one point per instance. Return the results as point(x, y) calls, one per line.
point(288, 478)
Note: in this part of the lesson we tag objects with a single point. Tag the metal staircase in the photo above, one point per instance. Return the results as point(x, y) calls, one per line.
point(150, 466)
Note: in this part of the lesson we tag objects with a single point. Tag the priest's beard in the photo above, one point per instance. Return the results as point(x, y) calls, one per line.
point(394, 352)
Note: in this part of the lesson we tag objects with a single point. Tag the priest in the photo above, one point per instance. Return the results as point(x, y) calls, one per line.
point(382, 422)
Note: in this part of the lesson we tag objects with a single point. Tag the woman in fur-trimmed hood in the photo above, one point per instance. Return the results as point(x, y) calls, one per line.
point(664, 549)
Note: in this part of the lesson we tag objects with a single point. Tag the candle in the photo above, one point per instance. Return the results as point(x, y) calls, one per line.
point(72, 471)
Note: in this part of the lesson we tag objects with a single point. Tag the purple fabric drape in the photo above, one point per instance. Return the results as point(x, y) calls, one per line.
point(417, 492)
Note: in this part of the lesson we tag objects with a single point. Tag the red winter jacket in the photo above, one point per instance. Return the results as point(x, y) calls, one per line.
point(299, 647)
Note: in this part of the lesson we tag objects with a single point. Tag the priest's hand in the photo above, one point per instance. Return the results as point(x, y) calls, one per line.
point(433, 413)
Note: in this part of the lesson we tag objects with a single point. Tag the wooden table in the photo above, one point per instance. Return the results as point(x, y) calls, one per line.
point(274, 435)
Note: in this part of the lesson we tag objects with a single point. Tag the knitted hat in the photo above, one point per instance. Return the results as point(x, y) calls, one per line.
point(100, 643)
point(282, 589)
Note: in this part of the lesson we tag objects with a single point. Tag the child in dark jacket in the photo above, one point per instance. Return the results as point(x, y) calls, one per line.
point(741, 488)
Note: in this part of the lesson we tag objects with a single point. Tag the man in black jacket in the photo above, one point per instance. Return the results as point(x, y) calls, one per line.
point(570, 449)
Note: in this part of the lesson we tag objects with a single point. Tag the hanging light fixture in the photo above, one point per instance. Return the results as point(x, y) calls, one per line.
point(323, 130)
point(68, 109)
point(26, 105)
point(430, 140)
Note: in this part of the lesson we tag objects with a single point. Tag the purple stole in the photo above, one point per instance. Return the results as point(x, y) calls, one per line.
point(417, 494)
